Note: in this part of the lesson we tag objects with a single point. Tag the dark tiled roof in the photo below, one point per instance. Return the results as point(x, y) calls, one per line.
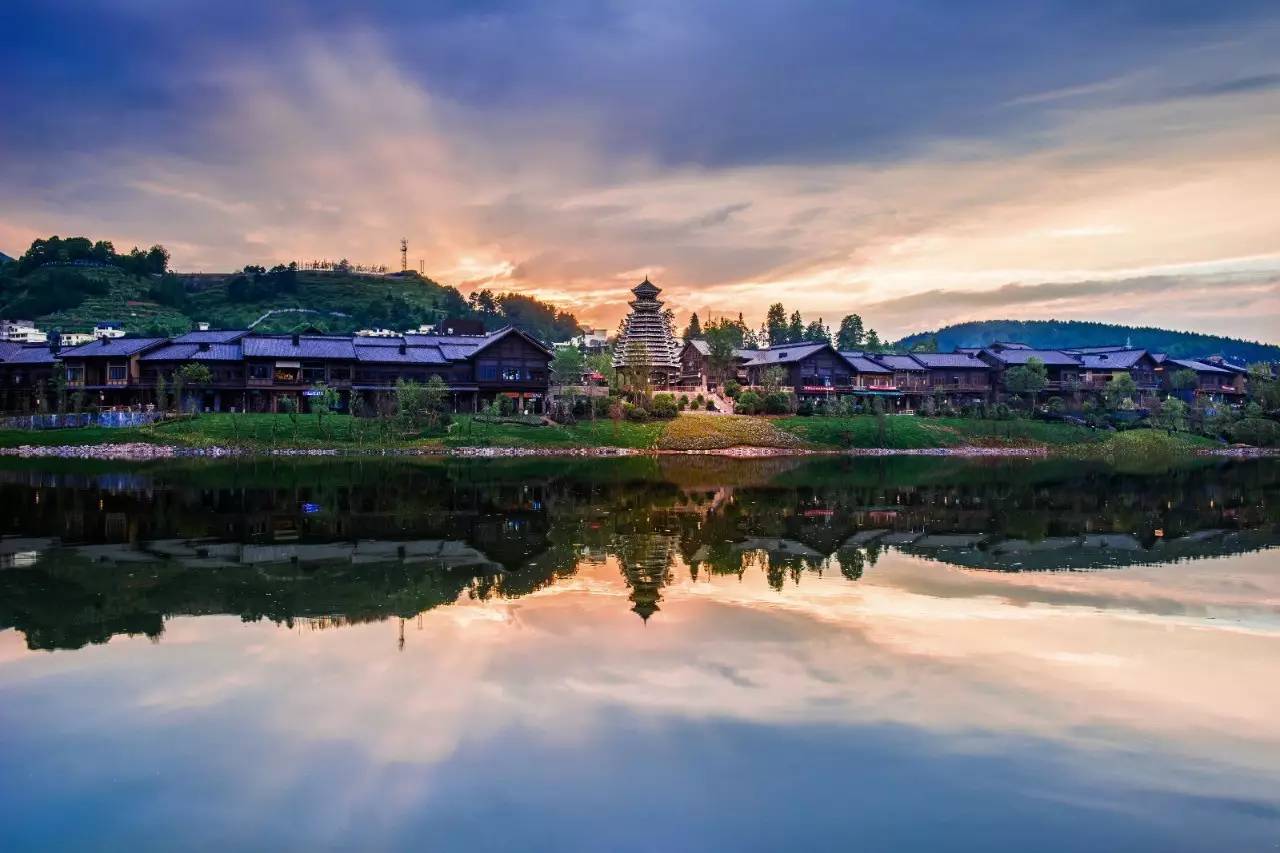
point(1053, 357)
point(863, 364)
point(748, 354)
point(786, 354)
point(898, 362)
point(7, 348)
point(113, 347)
point(1107, 348)
point(31, 355)
point(308, 347)
point(211, 336)
point(453, 352)
point(1112, 359)
point(1198, 366)
point(700, 345)
point(393, 355)
point(949, 360)
point(193, 352)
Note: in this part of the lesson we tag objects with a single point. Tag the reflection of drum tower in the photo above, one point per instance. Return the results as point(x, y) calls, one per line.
point(646, 565)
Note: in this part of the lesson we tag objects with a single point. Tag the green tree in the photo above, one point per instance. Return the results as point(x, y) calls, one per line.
point(1027, 379)
point(694, 329)
point(775, 324)
point(191, 373)
point(721, 362)
point(1172, 415)
point(1183, 380)
point(162, 393)
point(1263, 387)
point(411, 404)
point(567, 366)
point(1120, 391)
point(435, 399)
point(851, 335)
point(323, 403)
point(60, 387)
point(872, 341)
point(817, 332)
point(795, 328)
point(773, 378)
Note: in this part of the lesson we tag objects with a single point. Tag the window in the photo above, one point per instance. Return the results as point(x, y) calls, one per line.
point(512, 374)
point(340, 374)
point(259, 371)
point(75, 375)
point(313, 373)
point(117, 372)
point(487, 372)
point(286, 374)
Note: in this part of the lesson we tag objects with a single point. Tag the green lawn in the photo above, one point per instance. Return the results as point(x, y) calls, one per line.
point(907, 432)
point(467, 432)
point(900, 432)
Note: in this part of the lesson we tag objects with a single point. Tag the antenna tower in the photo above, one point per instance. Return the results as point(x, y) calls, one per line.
point(404, 255)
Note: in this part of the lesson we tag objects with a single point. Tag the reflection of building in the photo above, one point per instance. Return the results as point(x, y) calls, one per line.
point(646, 566)
point(646, 342)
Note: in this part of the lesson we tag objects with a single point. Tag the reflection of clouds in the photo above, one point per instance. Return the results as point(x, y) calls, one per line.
point(971, 658)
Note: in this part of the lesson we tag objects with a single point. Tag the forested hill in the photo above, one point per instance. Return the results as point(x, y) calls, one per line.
point(1052, 334)
point(70, 284)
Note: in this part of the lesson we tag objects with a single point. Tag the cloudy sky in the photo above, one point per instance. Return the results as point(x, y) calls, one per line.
point(920, 163)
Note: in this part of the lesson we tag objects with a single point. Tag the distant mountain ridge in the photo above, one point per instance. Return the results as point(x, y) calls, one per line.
point(1056, 334)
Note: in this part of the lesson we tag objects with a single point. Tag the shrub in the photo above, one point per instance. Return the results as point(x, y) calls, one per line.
point(732, 389)
point(631, 412)
point(1256, 431)
point(805, 409)
point(603, 405)
point(1055, 406)
point(663, 406)
point(683, 404)
point(777, 403)
point(748, 403)
point(699, 400)
point(711, 406)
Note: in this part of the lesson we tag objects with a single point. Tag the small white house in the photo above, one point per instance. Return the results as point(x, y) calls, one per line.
point(74, 339)
point(23, 331)
point(108, 329)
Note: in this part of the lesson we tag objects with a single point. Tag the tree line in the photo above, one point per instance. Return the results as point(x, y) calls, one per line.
point(779, 327)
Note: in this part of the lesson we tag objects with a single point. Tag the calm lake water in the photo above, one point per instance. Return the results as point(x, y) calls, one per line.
point(639, 654)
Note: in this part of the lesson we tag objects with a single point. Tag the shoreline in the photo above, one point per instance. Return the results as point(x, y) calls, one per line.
point(142, 452)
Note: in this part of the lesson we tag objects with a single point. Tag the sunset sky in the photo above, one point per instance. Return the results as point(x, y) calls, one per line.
point(920, 163)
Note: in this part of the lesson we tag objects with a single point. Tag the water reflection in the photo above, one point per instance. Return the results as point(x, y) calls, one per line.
point(92, 551)
point(639, 655)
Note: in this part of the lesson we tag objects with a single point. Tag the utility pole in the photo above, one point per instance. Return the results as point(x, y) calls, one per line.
point(404, 255)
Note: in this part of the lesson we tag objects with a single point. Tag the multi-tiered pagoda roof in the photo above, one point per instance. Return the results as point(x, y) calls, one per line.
point(646, 338)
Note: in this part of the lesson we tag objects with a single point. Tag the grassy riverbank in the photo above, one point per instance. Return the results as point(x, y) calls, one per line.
point(687, 432)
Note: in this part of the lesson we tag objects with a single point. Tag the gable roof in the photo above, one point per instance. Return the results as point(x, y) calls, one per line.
point(211, 336)
point(193, 352)
point(261, 346)
point(1050, 357)
point(40, 354)
point(1198, 366)
point(1112, 359)
point(787, 353)
point(862, 364)
point(397, 355)
point(894, 361)
point(700, 345)
point(950, 360)
point(112, 347)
